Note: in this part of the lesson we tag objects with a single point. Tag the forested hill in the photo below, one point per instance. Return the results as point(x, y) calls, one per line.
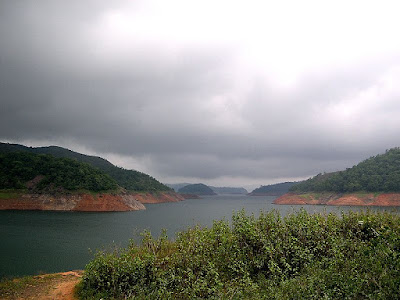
point(229, 190)
point(273, 189)
point(218, 190)
point(57, 152)
point(128, 179)
point(197, 189)
point(43, 172)
point(379, 173)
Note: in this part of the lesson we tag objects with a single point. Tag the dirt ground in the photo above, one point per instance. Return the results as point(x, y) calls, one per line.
point(48, 287)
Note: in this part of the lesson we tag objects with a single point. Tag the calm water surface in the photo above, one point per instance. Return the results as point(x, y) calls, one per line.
point(32, 242)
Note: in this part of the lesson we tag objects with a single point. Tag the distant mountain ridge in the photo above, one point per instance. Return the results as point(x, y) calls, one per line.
point(218, 190)
point(229, 190)
point(129, 179)
point(197, 189)
point(57, 152)
point(273, 189)
point(177, 186)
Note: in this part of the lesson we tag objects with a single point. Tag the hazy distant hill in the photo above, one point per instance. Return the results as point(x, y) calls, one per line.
point(218, 190)
point(273, 189)
point(229, 190)
point(380, 173)
point(177, 186)
point(196, 189)
point(128, 179)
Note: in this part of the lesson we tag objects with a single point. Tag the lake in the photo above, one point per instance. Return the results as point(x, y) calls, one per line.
point(33, 242)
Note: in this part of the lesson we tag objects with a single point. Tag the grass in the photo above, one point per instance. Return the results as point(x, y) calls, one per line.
point(45, 286)
point(319, 195)
point(309, 196)
point(14, 193)
point(93, 193)
point(364, 194)
point(25, 287)
point(10, 193)
point(300, 256)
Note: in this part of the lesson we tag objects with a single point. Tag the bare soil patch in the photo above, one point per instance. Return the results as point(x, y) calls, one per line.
point(48, 286)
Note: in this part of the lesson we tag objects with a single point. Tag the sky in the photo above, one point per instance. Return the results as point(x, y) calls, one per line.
point(227, 93)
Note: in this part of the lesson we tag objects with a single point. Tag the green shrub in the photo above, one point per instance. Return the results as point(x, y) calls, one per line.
point(301, 256)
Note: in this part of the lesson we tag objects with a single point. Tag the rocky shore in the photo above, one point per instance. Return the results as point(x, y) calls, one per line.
point(87, 202)
point(351, 199)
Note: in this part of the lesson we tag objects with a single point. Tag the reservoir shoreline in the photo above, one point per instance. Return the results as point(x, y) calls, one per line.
point(35, 242)
point(340, 199)
point(102, 202)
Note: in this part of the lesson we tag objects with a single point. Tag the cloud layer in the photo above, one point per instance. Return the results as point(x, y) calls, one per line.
point(244, 93)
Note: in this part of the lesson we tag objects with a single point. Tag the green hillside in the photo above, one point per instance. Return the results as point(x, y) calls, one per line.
point(229, 190)
point(43, 172)
point(128, 179)
point(380, 173)
point(197, 189)
point(273, 189)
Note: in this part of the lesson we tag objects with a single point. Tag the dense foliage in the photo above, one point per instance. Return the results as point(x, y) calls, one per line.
point(197, 189)
point(134, 180)
point(49, 173)
point(128, 179)
point(301, 256)
point(379, 173)
point(275, 189)
point(229, 190)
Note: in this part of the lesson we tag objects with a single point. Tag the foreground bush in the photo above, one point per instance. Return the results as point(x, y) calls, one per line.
point(301, 256)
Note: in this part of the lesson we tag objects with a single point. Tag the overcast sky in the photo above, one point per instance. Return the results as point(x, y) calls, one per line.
point(237, 93)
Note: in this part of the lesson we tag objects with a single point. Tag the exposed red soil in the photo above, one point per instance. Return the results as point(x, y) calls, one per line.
point(65, 290)
point(106, 202)
point(47, 287)
point(21, 203)
point(367, 199)
point(32, 183)
point(159, 197)
point(87, 202)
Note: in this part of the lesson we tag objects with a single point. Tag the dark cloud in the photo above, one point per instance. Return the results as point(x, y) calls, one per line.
point(198, 106)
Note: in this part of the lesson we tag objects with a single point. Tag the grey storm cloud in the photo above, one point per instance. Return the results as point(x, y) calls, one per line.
point(212, 101)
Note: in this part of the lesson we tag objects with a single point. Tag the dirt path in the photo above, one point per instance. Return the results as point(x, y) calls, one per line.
point(65, 290)
point(48, 287)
